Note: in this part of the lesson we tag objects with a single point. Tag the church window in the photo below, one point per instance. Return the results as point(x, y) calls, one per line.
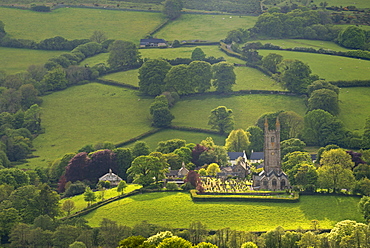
point(272, 139)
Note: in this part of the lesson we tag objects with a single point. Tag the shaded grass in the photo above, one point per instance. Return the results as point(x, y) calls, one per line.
point(329, 67)
point(190, 137)
point(247, 109)
point(89, 114)
point(354, 107)
point(164, 208)
point(13, 60)
point(204, 27)
point(127, 77)
point(77, 23)
point(316, 44)
point(80, 203)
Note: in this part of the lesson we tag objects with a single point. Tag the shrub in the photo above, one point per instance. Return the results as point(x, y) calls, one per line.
point(172, 186)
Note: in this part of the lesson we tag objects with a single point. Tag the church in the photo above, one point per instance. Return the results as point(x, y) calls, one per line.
point(272, 177)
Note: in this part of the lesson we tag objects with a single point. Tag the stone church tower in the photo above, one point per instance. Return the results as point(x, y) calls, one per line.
point(272, 177)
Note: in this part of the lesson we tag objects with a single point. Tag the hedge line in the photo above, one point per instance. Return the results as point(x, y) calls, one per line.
point(159, 27)
point(240, 198)
point(194, 129)
point(352, 83)
point(141, 136)
point(115, 83)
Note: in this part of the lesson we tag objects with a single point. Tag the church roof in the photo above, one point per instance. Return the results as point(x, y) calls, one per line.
point(257, 156)
point(235, 155)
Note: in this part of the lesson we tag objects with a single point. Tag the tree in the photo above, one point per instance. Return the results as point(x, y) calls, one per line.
point(65, 235)
point(55, 80)
point(123, 54)
point(324, 99)
point(124, 159)
point(198, 54)
point(110, 233)
point(352, 37)
point(159, 237)
point(151, 76)
point(321, 84)
point(335, 177)
point(295, 158)
point(308, 240)
point(145, 168)
point(68, 206)
point(237, 141)
point(364, 207)
point(162, 117)
point(77, 244)
point(321, 128)
point(98, 36)
point(48, 201)
point(9, 217)
point(224, 77)
point(349, 233)
point(213, 169)
point(175, 242)
point(132, 242)
point(291, 124)
point(291, 145)
point(177, 79)
point(121, 186)
point(295, 75)
point(170, 145)
point(208, 245)
point(14, 177)
point(140, 148)
point(89, 196)
point(249, 244)
point(172, 8)
point(256, 138)
point(221, 119)
point(200, 74)
point(366, 136)
point(271, 61)
point(197, 231)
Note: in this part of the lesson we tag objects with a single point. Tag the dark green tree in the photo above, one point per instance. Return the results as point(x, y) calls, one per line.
point(221, 119)
point(177, 79)
point(48, 201)
point(172, 8)
point(324, 99)
point(224, 77)
point(145, 168)
point(140, 148)
point(123, 54)
point(151, 76)
point(321, 84)
point(200, 75)
point(352, 37)
point(198, 54)
point(162, 117)
point(271, 61)
point(256, 138)
point(124, 158)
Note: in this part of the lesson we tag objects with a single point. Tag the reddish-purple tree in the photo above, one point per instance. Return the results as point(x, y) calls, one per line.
point(356, 158)
point(101, 162)
point(77, 167)
point(196, 152)
point(193, 178)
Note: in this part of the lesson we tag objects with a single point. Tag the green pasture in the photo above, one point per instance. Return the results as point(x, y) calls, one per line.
point(88, 114)
point(127, 77)
point(80, 203)
point(194, 111)
point(164, 208)
point(204, 27)
point(316, 44)
point(329, 67)
point(357, 3)
point(13, 60)
point(77, 23)
point(190, 137)
point(354, 107)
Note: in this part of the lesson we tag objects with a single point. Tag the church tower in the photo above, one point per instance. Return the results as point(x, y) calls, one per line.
point(272, 161)
point(272, 177)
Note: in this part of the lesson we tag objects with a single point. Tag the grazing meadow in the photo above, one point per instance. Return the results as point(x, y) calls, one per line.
point(164, 208)
point(204, 27)
point(78, 23)
point(329, 67)
point(13, 60)
point(89, 114)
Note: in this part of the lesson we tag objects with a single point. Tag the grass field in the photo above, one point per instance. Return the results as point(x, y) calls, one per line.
point(13, 60)
point(77, 23)
point(204, 27)
point(80, 203)
point(164, 209)
point(354, 107)
point(127, 77)
point(329, 67)
point(247, 109)
point(89, 114)
point(316, 44)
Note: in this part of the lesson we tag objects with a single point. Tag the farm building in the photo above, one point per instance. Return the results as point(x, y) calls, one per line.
point(153, 43)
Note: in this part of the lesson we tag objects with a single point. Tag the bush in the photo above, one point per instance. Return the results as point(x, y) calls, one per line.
point(171, 186)
point(41, 8)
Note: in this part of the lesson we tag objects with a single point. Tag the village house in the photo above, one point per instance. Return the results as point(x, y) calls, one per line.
point(111, 177)
point(177, 176)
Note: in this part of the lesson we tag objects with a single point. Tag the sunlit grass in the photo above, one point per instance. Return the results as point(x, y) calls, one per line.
point(316, 44)
point(78, 23)
point(329, 67)
point(164, 208)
